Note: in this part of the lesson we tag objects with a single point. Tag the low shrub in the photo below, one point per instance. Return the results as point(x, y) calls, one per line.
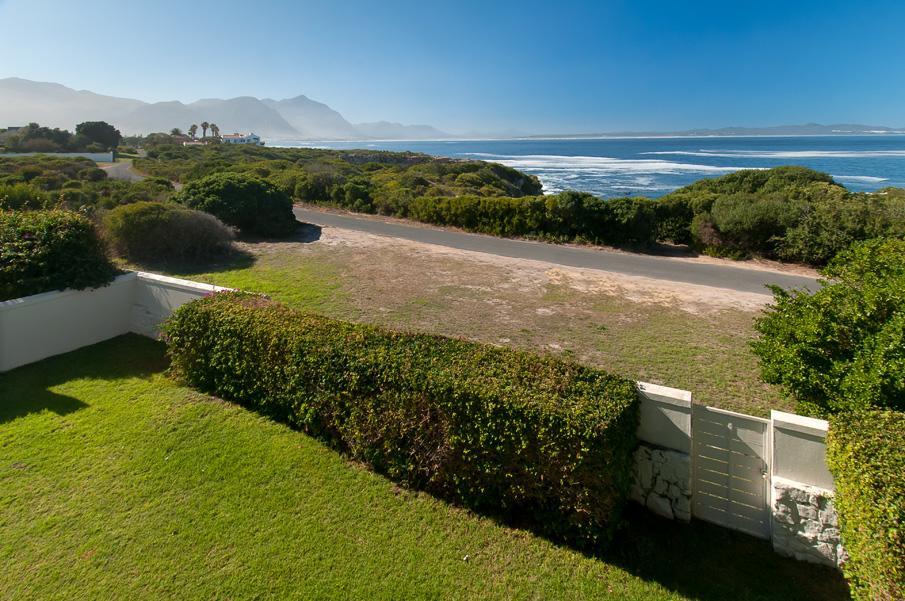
point(156, 232)
point(866, 457)
point(842, 347)
point(566, 216)
point(42, 251)
point(254, 206)
point(23, 196)
point(518, 435)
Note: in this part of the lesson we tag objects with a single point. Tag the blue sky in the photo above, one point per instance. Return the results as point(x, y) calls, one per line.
point(534, 67)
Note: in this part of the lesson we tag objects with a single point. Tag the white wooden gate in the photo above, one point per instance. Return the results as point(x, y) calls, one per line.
point(730, 470)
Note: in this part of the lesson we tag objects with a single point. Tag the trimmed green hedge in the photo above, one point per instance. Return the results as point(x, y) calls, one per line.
point(42, 251)
point(866, 457)
point(532, 439)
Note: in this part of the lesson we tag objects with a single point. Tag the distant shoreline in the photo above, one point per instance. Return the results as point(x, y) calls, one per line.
point(276, 141)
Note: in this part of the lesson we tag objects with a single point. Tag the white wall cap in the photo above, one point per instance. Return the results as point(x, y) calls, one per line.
point(180, 283)
point(34, 299)
point(799, 423)
point(673, 396)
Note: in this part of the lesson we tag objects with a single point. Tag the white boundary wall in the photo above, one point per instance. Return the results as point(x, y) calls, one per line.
point(43, 325)
point(803, 524)
point(97, 157)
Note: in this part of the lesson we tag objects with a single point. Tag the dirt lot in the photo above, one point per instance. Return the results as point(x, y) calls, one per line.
point(679, 335)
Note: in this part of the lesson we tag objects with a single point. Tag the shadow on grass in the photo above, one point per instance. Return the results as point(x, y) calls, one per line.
point(697, 560)
point(28, 389)
point(710, 563)
point(237, 258)
point(304, 233)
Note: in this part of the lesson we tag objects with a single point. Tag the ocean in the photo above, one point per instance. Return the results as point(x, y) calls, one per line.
point(610, 167)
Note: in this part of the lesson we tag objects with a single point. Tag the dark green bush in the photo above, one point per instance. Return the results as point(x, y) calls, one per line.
point(633, 221)
point(842, 347)
point(42, 251)
point(833, 224)
point(565, 216)
point(155, 232)
point(752, 224)
point(789, 213)
point(867, 459)
point(254, 206)
point(525, 437)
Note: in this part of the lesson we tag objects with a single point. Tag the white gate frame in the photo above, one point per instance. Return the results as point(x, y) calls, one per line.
point(733, 515)
point(798, 499)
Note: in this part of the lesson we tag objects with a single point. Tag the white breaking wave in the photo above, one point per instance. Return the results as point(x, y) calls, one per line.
point(784, 154)
point(603, 175)
point(870, 179)
point(601, 165)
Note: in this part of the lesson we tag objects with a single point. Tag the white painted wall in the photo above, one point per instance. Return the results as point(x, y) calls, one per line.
point(665, 417)
point(799, 449)
point(97, 157)
point(43, 325)
point(157, 296)
point(51, 323)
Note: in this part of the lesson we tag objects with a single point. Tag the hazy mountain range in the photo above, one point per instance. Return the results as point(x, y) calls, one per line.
point(807, 129)
point(23, 101)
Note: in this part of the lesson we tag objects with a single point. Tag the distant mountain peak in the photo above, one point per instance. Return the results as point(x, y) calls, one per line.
point(23, 101)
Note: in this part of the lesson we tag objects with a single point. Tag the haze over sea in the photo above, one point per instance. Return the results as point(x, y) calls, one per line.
point(610, 167)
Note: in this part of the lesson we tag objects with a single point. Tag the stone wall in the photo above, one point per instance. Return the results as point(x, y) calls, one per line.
point(805, 524)
point(663, 482)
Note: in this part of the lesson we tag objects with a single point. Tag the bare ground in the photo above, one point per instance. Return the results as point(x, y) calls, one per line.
point(681, 335)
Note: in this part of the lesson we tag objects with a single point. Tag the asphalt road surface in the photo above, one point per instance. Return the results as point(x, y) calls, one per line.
point(123, 171)
point(650, 266)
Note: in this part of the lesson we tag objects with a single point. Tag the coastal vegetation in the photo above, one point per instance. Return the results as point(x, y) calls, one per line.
point(786, 213)
point(155, 233)
point(841, 348)
point(90, 136)
point(254, 206)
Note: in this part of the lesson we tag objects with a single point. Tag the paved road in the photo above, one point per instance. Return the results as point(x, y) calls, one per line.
point(660, 268)
point(123, 171)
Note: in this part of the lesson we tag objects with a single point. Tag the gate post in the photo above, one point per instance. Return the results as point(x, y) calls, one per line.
point(662, 460)
point(804, 521)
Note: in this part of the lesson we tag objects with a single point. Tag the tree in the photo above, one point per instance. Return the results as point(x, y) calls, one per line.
point(193, 130)
point(215, 131)
point(253, 205)
point(99, 132)
point(175, 132)
point(841, 348)
point(204, 126)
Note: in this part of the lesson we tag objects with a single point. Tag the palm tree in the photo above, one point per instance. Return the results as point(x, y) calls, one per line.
point(193, 130)
point(175, 132)
point(204, 126)
point(215, 131)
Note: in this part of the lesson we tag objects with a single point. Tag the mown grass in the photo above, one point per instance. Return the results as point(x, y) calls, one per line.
point(115, 482)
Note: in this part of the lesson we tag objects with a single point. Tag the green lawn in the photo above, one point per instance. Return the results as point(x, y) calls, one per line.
point(117, 483)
